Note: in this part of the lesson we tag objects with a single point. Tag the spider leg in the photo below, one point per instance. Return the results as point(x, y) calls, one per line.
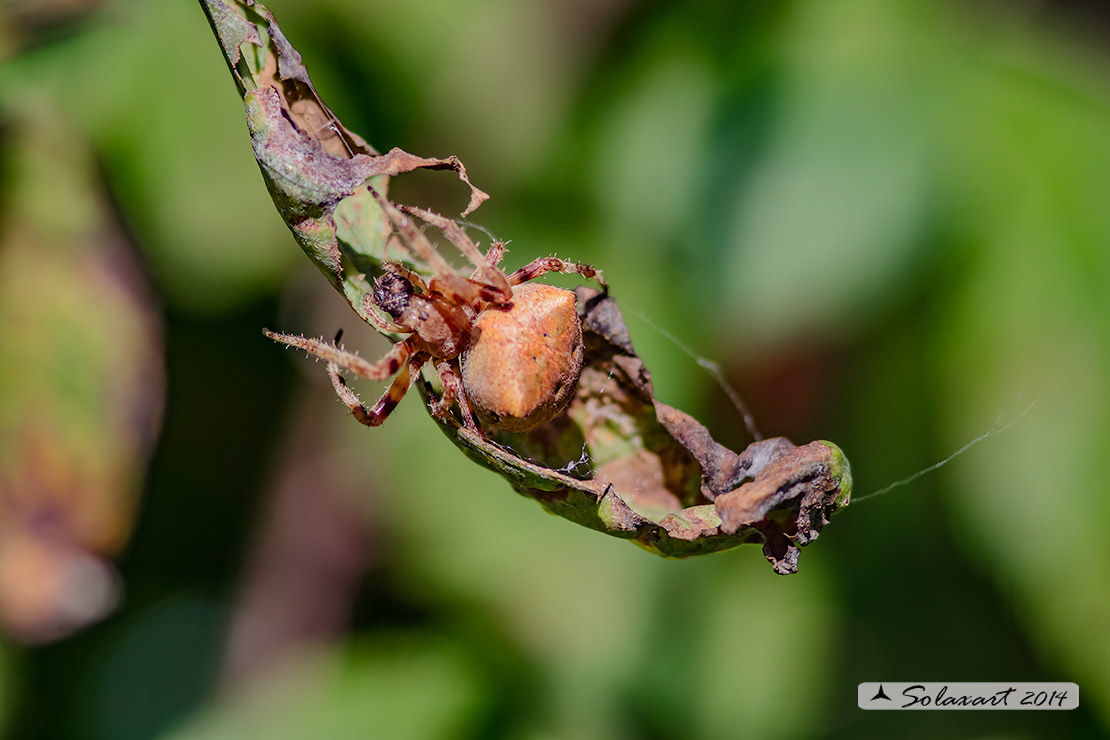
point(488, 293)
point(452, 393)
point(407, 274)
point(494, 254)
point(486, 272)
point(542, 265)
point(376, 414)
point(453, 285)
point(380, 370)
point(371, 310)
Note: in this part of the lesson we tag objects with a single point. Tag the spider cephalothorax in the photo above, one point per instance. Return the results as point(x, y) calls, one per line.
point(509, 352)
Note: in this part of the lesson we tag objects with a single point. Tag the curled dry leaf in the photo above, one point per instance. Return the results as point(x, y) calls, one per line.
point(655, 475)
point(315, 169)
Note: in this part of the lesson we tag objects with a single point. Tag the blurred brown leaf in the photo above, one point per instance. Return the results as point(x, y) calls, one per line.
point(81, 383)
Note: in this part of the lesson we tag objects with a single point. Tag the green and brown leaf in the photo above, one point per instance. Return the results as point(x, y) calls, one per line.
point(650, 473)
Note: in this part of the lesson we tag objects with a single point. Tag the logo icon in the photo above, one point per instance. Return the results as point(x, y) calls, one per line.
point(881, 694)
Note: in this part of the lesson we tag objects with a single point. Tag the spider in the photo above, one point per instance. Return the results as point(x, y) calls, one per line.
point(506, 351)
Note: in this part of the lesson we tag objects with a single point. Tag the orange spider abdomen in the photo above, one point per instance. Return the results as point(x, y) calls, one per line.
point(523, 363)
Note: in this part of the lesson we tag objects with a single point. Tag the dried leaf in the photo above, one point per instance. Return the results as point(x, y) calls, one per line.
point(658, 476)
point(655, 476)
point(315, 169)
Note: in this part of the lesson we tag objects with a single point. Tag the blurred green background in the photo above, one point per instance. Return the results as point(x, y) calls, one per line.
point(886, 219)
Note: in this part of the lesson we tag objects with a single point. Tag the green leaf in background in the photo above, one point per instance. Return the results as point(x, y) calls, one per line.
point(833, 208)
point(1031, 322)
point(395, 686)
point(129, 87)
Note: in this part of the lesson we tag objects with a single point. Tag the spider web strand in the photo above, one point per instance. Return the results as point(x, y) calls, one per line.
point(714, 371)
point(994, 431)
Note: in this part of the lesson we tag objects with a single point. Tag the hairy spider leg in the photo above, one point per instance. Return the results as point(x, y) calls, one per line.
point(388, 401)
point(494, 255)
point(486, 272)
point(542, 265)
point(380, 370)
point(452, 284)
point(371, 310)
point(407, 274)
point(452, 393)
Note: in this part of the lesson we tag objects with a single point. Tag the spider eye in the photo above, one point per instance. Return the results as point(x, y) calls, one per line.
point(392, 293)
